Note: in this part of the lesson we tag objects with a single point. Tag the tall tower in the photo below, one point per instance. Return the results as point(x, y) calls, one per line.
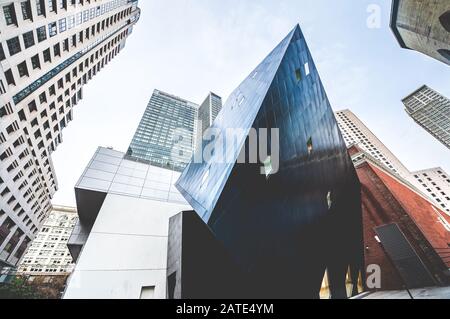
point(288, 229)
point(165, 136)
point(48, 51)
point(208, 112)
point(430, 110)
point(354, 131)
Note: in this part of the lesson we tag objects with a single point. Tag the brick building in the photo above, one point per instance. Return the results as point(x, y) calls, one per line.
point(388, 199)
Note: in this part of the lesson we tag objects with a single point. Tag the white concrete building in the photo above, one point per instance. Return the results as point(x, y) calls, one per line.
point(431, 111)
point(435, 183)
point(48, 51)
point(48, 253)
point(355, 131)
point(120, 242)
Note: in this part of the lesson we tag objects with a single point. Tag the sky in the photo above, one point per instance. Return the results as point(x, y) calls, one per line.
point(191, 47)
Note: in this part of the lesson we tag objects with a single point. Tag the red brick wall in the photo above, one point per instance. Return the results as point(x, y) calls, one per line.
point(376, 212)
point(423, 214)
point(386, 200)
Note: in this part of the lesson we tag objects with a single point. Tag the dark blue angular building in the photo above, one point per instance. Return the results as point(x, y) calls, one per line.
point(289, 230)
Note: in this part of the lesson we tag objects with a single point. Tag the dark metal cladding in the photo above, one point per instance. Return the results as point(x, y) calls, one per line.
point(284, 231)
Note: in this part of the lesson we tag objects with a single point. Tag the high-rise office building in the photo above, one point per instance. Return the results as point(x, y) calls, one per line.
point(435, 183)
point(354, 131)
point(48, 254)
point(208, 112)
point(293, 218)
point(166, 134)
point(48, 51)
point(430, 110)
point(423, 26)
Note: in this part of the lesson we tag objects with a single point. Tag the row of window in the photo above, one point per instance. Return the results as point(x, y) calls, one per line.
point(14, 242)
point(14, 45)
point(43, 96)
point(60, 83)
point(47, 270)
point(32, 105)
point(55, 6)
point(35, 185)
point(46, 253)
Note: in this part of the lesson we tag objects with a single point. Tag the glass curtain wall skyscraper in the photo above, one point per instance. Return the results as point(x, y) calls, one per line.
point(431, 111)
point(48, 51)
point(165, 136)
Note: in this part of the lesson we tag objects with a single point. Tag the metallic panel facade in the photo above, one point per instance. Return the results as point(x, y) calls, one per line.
point(287, 230)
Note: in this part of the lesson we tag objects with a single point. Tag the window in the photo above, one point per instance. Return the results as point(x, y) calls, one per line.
point(41, 34)
point(85, 15)
point(22, 68)
point(267, 169)
point(47, 56)
point(309, 145)
point(2, 53)
point(62, 25)
point(40, 7)
point(26, 9)
point(9, 77)
point(329, 200)
point(445, 53)
point(62, 4)
point(10, 14)
point(28, 39)
point(52, 31)
point(13, 46)
point(306, 68)
point(70, 22)
point(35, 63)
point(445, 20)
point(51, 5)
point(66, 45)
point(79, 19)
point(148, 292)
point(298, 75)
point(57, 50)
